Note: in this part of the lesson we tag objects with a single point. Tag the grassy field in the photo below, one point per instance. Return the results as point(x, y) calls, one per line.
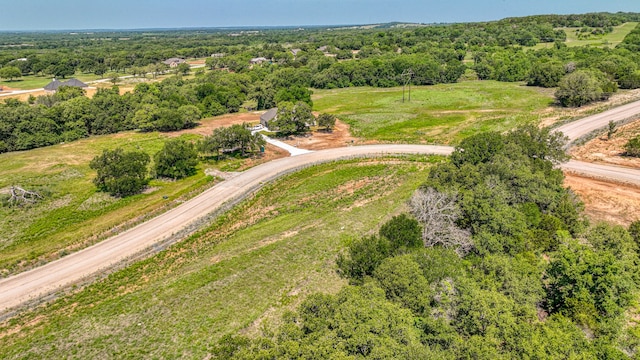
point(239, 274)
point(36, 82)
point(436, 114)
point(73, 213)
point(607, 40)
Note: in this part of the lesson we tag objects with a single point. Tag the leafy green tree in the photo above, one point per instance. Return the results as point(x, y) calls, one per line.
point(10, 72)
point(113, 77)
point(235, 138)
point(545, 74)
point(578, 88)
point(403, 282)
point(327, 121)
point(120, 173)
point(403, 232)
point(363, 257)
point(183, 68)
point(293, 119)
point(190, 115)
point(294, 94)
point(177, 159)
point(587, 285)
point(477, 149)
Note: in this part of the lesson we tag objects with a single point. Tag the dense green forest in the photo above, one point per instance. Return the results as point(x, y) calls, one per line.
point(324, 58)
point(495, 261)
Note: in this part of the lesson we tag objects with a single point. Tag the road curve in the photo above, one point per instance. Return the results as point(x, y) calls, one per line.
point(579, 128)
point(60, 274)
point(31, 285)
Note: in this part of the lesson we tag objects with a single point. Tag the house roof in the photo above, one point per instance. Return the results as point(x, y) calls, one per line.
point(269, 115)
point(259, 59)
point(173, 61)
point(55, 84)
point(75, 83)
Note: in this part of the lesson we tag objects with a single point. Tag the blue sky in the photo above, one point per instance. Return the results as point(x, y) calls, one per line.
point(135, 14)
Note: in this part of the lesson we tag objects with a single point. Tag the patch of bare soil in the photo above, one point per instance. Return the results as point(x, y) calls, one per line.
point(320, 139)
point(207, 125)
point(611, 202)
point(554, 114)
point(610, 151)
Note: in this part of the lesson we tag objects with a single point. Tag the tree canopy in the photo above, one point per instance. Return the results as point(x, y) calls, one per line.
point(121, 173)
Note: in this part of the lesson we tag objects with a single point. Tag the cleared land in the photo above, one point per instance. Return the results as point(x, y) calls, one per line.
point(36, 82)
point(611, 39)
point(441, 114)
point(255, 262)
point(610, 151)
point(606, 201)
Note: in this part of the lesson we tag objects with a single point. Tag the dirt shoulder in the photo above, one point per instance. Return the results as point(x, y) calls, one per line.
point(320, 139)
point(606, 201)
point(207, 125)
point(602, 150)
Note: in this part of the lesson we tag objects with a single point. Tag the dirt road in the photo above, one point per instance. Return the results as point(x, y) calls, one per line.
point(31, 285)
point(576, 129)
point(52, 277)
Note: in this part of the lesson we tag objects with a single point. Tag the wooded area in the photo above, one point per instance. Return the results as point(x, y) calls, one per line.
point(516, 271)
point(323, 59)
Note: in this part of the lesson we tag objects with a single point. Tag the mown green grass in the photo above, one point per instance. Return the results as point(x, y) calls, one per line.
point(37, 82)
point(442, 114)
point(611, 39)
point(73, 214)
point(239, 274)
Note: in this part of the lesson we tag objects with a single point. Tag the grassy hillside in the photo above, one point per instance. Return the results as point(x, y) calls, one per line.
point(611, 39)
point(260, 259)
point(436, 114)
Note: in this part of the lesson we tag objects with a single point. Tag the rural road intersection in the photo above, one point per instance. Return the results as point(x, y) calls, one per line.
point(30, 286)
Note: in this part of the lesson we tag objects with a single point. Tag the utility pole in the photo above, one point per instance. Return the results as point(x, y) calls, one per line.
point(406, 77)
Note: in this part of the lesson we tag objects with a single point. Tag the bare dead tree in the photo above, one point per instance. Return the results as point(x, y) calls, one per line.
point(21, 196)
point(438, 213)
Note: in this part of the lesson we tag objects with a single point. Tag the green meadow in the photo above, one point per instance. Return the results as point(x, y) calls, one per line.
point(442, 114)
point(611, 39)
point(73, 214)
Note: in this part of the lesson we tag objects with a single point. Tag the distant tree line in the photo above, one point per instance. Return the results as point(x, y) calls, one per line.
point(68, 115)
point(326, 59)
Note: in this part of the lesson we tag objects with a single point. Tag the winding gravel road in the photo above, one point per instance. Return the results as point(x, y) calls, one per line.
point(32, 285)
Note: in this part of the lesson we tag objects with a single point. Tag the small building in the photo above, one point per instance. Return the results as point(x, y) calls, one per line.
point(218, 55)
point(270, 115)
point(173, 62)
point(53, 86)
point(258, 60)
